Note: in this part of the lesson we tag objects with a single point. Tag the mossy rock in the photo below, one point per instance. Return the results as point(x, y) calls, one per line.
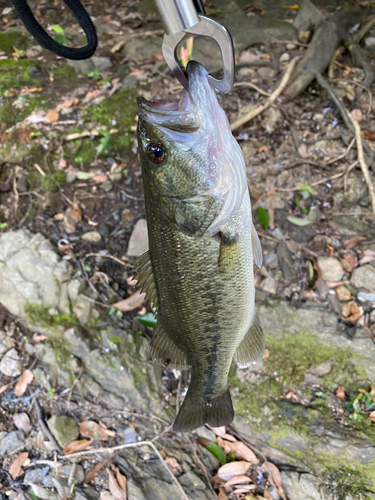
point(13, 39)
point(13, 111)
point(18, 74)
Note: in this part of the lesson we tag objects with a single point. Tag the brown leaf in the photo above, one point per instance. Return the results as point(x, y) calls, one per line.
point(174, 465)
point(15, 470)
point(349, 262)
point(93, 430)
point(275, 477)
point(340, 392)
point(302, 150)
point(67, 104)
point(99, 178)
point(75, 212)
point(96, 469)
point(52, 115)
point(369, 134)
point(266, 354)
point(243, 452)
point(114, 487)
point(222, 495)
point(221, 431)
point(131, 303)
point(233, 469)
point(238, 480)
point(119, 477)
point(372, 416)
point(263, 149)
point(75, 446)
point(25, 379)
point(39, 337)
point(92, 94)
point(22, 421)
point(353, 242)
point(351, 312)
point(4, 388)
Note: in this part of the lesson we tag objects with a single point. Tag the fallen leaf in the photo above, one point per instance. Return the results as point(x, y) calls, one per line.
point(299, 222)
point(372, 416)
point(22, 422)
point(93, 430)
point(356, 114)
point(243, 452)
point(291, 395)
point(92, 94)
point(52, 115)
point(67, 104)
point(25, 379)
point(233, 469)
point(99, 178)
point(4, 388)
point(369, 135)
point(275, 477)
point(222, 495)
point(238, 480)
point(221, 431)
point(245, 489)
point(114, 487)
point(368, 256)
point(15, 469)
point(340, 392)
point(75, 446)
point(353, 242)
point(96, 469)
point(10, 365)
point(39, 337)
point(121, 479)
point(302, 150)
point(266, 354)
point(263, 149)
point(131, 303)
point(75, 212)
point(174, 465)
point(351, 312)
point(349, 262)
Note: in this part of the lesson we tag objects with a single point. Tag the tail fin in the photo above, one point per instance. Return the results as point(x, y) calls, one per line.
point(199, 410)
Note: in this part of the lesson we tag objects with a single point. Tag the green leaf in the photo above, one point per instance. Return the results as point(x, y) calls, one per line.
point(58, 29)
point(59, 39)
point(147, 319)
point(306, 187)
point(32, 494)
point(298, 222)
point(305, 210)
point(322, 395)
point(352, 290)
point(213, 448)
point(3, 225)
point(311, 272)
point(263, 217)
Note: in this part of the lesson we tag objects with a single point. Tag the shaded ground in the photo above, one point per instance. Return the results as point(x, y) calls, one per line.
point(70, 172)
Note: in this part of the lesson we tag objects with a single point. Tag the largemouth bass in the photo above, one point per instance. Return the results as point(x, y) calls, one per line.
point(198, 272)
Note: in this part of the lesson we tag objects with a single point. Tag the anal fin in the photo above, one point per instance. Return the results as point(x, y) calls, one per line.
point(251, 348)
point(145, 278)
point(165, 352)
point(256, 247)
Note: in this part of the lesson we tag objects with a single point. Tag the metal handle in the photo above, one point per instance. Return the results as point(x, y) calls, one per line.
point(177, 15)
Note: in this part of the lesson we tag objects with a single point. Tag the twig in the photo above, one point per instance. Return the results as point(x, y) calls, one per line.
point(362, 162)
point(40, 170)
point(34, 193)
point(106, 256)
point(122, 447)
point(365, 29)
point(272, 98)
point(251, 85)
point(44, 427)
point(340, 157)
point(87, 133)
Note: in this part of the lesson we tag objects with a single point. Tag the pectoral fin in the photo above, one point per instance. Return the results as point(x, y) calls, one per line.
point(145, 278)
point(165, 352)
point(229, 259)
point(256, 247)
point(251, 348)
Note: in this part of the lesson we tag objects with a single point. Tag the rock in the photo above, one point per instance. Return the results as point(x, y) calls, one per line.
point(366, 297)
point(364, 277)
point(64, 429)
point(343, 293)
point(370, 41)
point(34, 476)
point(269, 285)
point(86, 492)
point(92, 237)
point(89, 386)
point(266, 73)
point(278, 234)
point(298, 486)
point(83, 67)
point(331, 268)
point(101, 63)
point(270, 260)
point(5, 343)
point(63, 473)
point(10, 364)
point(14, 441)
point(138, 243)
point(286, 261)
point(285, 57)
point(348, 226)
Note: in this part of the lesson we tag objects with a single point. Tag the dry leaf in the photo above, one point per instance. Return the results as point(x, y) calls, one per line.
point(349, 262)
point(221, 431)
point(245, 489)
point(119, 477)
point(75, 212)
point(75, 446)
point(243, 452)
point(266, 354)
point(343, 293)
point(25, 379)
point(233, 469)
point(222, 495)
point(356, 114)
point(52, 115)
point(115, 489)
point(302, 150)
point(4, 388)
point(238, 480)
point(263, 149)
point(93, 430)
point(99, 178)
point(15, 470)
point(291, 395)
point(92, 94)
point(39, 337)
point(340, 392)
point(351, 312)
point(131, 303)
point(96, 469)
point(372, 416)
point(369, 135)
point(22, 421)
point(174, 465)
point(275, 477)
point(353, 242)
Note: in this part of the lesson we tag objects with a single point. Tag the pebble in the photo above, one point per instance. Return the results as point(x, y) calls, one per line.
point(285, 57)
point(34, 476)
point(270, 260)
point(138, 243)
point(331, 268)
point(278, 234)
point(269, 285)
point(10, 365)
point(64, 429)
point(366, 297)
point(343, 293)
point(291, 46)
point(92, 237)
point(364, 277)
point(5, 343)
point(14, 441)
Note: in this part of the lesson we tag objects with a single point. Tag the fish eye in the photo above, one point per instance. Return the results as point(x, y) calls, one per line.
point(156, 152)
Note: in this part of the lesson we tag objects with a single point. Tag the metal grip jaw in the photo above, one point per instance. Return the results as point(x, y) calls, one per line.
point(180, 18)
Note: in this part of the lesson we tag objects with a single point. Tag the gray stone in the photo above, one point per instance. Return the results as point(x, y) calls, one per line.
point(286, 261)
point(101, 63)
point(138, 243)
point(366, 297)
point(194, 486)
point(331, 268)
point(83, 67)
point(278, 234)
point(82, 308)
point(89, 386)
point(302, 486)
point(34, 476)
point(14, 441)
point(364, 277)
point(77, 344)
point(349, 226)
point(63, 473)
point(92, 237)
point(64, 429)
point(285, 57)
point(269, 285)
point(10, 364)
point(5, 343)
point(270, 260)
point(86, 492)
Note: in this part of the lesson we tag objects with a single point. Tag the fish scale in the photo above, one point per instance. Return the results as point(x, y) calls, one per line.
point(202, 244)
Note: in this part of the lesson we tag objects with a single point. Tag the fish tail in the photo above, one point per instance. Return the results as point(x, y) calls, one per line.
point(198, 410)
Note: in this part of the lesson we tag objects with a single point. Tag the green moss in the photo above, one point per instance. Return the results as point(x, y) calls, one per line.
point(38, 315)
point(17, 74)
point(12, 39)
point(65, 74)
point(51, 182)
point(10, 113)
point(61, 349)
